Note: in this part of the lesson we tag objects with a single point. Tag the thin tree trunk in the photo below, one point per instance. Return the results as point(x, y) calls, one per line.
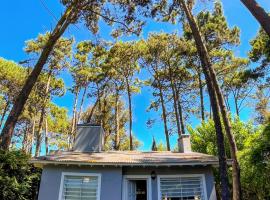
point(259, 13)
point(164, 116)
point(205, 61)
point(180, 111)
point(227, 102)
point(43, 115)
point(25, 139)
point(82, 102)
point(4, 113)
point(201, 96)
point(236, 107)
point(92, 111)
point(104, 110)
point(210, 112)
point(107, 134)
point(235, 103)
point(237, 192)
point(116, 119)
point(46, 137)
point(164, 111)
point(74, 116)
point(24, 143)
point(20, 101)
point(130, 115)
point(31, 137)
point(172, 84)
point(179, 131)
point(38, 135)
point(99, 100)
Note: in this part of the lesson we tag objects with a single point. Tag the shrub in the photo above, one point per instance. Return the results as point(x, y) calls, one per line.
point(18, 179)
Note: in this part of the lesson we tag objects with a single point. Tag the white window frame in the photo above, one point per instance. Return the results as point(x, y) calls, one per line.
point(179, 176)
point(137, 177)
point(82, 175)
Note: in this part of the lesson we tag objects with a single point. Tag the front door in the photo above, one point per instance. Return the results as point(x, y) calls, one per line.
point(136, 188)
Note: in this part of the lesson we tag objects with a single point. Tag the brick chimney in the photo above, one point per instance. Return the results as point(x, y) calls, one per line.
point(184, 145)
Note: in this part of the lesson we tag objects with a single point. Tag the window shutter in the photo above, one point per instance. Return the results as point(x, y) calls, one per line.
point(80, 188)
point(181, 188)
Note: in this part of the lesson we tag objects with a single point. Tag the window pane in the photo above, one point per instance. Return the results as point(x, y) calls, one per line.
point(181, 188)
point(80, 188)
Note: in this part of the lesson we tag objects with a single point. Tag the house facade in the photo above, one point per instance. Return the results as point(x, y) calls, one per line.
point(88, 173)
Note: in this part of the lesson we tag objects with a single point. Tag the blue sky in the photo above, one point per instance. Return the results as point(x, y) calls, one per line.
point(23, 20)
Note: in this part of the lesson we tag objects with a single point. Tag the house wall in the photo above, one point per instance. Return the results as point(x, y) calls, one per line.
point(111, 179)
point(207, 171)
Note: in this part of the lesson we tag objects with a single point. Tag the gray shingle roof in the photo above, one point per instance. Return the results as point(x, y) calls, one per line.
point(128, 158)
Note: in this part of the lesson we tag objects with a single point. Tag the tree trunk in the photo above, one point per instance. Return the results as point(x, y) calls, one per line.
point(82, 102)
point(4, 113)
point(180, 111)
point(25, 139)
point(31, 138)
point(237, 192)
point(20, 101)
point(164, 116)
point(236, 106)
point(74, 117)
point(172, 84)
point(205, 61)
point(116, 115)
point(179, 131)
point(227, 102)
point(46, 137)
point(201, 96)
point(92, 111)
point(43, 114)
point(104, 110)
point(210, 112)
point(38, 135)
point(259, 13)
point(130, 115)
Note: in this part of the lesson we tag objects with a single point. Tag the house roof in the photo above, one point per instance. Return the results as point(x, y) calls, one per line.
point(127, 158)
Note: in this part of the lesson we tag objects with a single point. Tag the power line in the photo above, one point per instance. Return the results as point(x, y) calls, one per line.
point(48, 10)
point(51, 13)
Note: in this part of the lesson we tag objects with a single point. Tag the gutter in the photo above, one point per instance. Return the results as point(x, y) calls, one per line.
point(41, 163)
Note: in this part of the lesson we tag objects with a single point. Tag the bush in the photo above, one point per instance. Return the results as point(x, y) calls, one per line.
point(18, 179)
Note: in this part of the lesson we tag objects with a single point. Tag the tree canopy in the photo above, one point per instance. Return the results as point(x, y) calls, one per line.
point(189, 80)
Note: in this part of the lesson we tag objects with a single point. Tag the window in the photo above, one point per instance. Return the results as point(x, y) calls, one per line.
point(181, 188)
point(80, 187)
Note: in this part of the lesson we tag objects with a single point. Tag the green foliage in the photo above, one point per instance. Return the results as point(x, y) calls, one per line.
point(12, 78)
point(255, 165)
point(104, 114)
point(106, 72)
point(124, 143)
point(204, 140)
point(60, 55)
point(161, 147)
point(260, 51)
point(125, 17)
point(164, 56)
point(58, 127)
point(19, 180)
point(260, 54)
point(254, 150)
point(215, 29)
